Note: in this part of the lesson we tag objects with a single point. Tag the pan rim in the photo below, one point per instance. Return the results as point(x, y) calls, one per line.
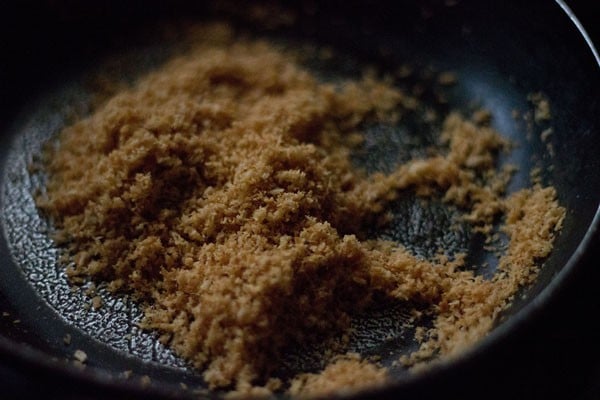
point(27, 358)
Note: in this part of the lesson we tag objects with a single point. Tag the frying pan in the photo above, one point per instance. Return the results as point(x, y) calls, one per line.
point(500, 51)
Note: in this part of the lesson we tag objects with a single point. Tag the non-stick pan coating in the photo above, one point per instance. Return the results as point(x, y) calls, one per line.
point(501, 53)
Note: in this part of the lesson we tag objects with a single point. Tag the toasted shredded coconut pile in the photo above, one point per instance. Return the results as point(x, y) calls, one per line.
point(219, 191)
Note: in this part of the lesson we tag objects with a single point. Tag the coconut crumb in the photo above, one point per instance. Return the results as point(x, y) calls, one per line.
point(545, 135)
point(145, 381)
point(482, 117)
point(447, 78)
point(97, 302)
point(542, 107)
point(219, 191)
point(80, 356)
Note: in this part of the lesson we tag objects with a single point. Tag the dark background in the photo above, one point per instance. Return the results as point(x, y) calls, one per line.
point(561, 344)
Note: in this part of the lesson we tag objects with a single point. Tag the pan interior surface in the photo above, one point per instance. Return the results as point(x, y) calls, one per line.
point(497, 69)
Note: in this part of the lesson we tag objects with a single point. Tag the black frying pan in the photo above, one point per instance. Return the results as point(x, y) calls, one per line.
point(501, 51)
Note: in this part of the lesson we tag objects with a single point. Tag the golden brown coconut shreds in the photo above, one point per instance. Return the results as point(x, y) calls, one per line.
point(219, 191)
